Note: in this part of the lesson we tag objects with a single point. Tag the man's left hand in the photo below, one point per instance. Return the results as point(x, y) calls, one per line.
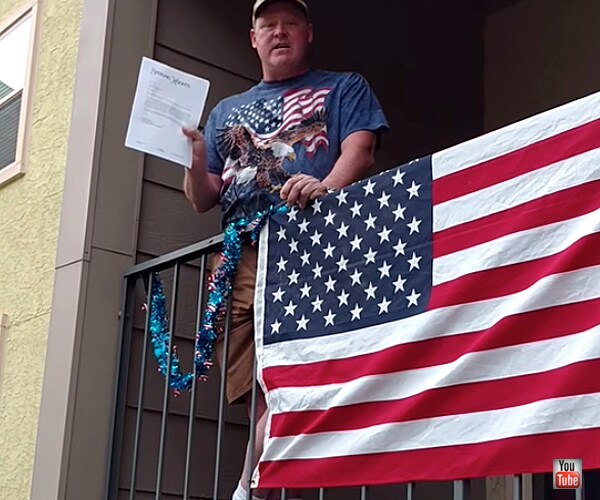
point(302, 188)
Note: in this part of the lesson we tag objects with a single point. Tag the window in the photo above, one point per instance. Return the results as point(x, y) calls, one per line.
point(16, 40)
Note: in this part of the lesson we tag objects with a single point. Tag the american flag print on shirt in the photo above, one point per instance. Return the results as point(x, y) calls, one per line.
point(441, 320)
point(267, 118)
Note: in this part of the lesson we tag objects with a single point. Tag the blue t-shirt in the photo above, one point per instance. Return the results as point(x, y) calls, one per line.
point(256, 140)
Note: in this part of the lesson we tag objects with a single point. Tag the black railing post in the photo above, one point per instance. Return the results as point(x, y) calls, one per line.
point(124, 353)
point(140, 398)
point(192, 412)
point(167, 387)
point(221, 416)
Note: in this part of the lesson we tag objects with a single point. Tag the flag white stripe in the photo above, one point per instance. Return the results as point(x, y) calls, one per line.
point(306, 105)
point(296, 115)
point(551, 291)
point(540, 417)
point(484, 366)
point(527, 187)
point(517, 247)
point(289, 121)
point(302, 97)
point(515, 136)
point(303, 111)
point(259, 292)
point(318, 139)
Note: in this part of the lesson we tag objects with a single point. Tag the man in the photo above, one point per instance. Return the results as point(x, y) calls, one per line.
point(294, 136)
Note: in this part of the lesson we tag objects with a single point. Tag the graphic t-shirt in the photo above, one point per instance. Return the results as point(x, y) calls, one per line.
point(256, 140)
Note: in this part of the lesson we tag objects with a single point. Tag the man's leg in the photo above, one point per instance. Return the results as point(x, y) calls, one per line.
point(241, 361)
point(262, 415)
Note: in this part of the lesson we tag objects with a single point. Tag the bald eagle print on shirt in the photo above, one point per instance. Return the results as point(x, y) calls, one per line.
point(259, 136)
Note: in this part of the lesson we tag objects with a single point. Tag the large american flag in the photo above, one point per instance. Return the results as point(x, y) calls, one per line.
point(267, 118)
point(441, 320)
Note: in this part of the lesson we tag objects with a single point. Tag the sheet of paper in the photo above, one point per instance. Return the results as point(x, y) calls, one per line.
point(166, 99)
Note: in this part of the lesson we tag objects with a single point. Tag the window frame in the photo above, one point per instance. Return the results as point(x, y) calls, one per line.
point(18, 168)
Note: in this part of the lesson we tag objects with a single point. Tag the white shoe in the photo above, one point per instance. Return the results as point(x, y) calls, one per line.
point(241, 494)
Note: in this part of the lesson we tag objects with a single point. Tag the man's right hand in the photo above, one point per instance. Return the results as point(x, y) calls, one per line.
point(200, 186)
point(198, 147)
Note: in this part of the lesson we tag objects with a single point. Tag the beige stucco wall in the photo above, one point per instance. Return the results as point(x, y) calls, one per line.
point(539, 54)
point(29, 215)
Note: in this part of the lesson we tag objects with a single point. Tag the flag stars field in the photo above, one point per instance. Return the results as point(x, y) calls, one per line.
point(305, 258)
point(399, 248)
point(356, 312)
point(281, 265)
point(414, 261)
point(316, 206)
point(327, 277)
point(275, 326)
point(413, 298)
point(398, 177)
point(329, 218)
point(399, 212)
point(355, 243)
point(384, 234)
point(369, 188)
point(278, 295)
point(370, 256)
point(292, 214)
point(303, 226)
point(343, 230)
point(317, 271)
point(302, 323)
point(355, 277)
point(370, 222)
point(316, 238)
point(414, 225)
point(356, 209)
point(305, 291)
point(328, 250)
point(413, 190)
point(341, 198)
point(293, 277)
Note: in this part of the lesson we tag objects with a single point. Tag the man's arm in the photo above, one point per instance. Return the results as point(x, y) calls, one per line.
point(200, 186)
point(356, 158)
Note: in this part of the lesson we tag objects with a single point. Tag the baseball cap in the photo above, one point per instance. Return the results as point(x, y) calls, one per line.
point(261, 4)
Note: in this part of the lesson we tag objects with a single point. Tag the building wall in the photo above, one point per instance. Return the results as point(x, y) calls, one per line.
point(539, 54)
point(29, 215)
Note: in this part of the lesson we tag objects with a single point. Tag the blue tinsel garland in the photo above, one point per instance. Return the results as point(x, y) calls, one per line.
point(219, 287)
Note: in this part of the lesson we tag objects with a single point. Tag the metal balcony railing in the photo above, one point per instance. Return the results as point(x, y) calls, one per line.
point(192, 446)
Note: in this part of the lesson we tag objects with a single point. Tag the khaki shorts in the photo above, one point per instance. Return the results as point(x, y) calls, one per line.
point(240, 357)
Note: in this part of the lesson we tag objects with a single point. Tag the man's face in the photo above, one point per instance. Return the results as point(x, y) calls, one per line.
point(281, 36)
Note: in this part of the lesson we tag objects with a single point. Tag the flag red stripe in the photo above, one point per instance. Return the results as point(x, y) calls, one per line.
point(511, 279)
point(538, 155)
point(556, 207)
point(528, 454)
point(512, 330)
point(572, 380)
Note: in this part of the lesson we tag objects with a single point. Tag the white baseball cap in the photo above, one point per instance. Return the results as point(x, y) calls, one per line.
point(261, 4)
